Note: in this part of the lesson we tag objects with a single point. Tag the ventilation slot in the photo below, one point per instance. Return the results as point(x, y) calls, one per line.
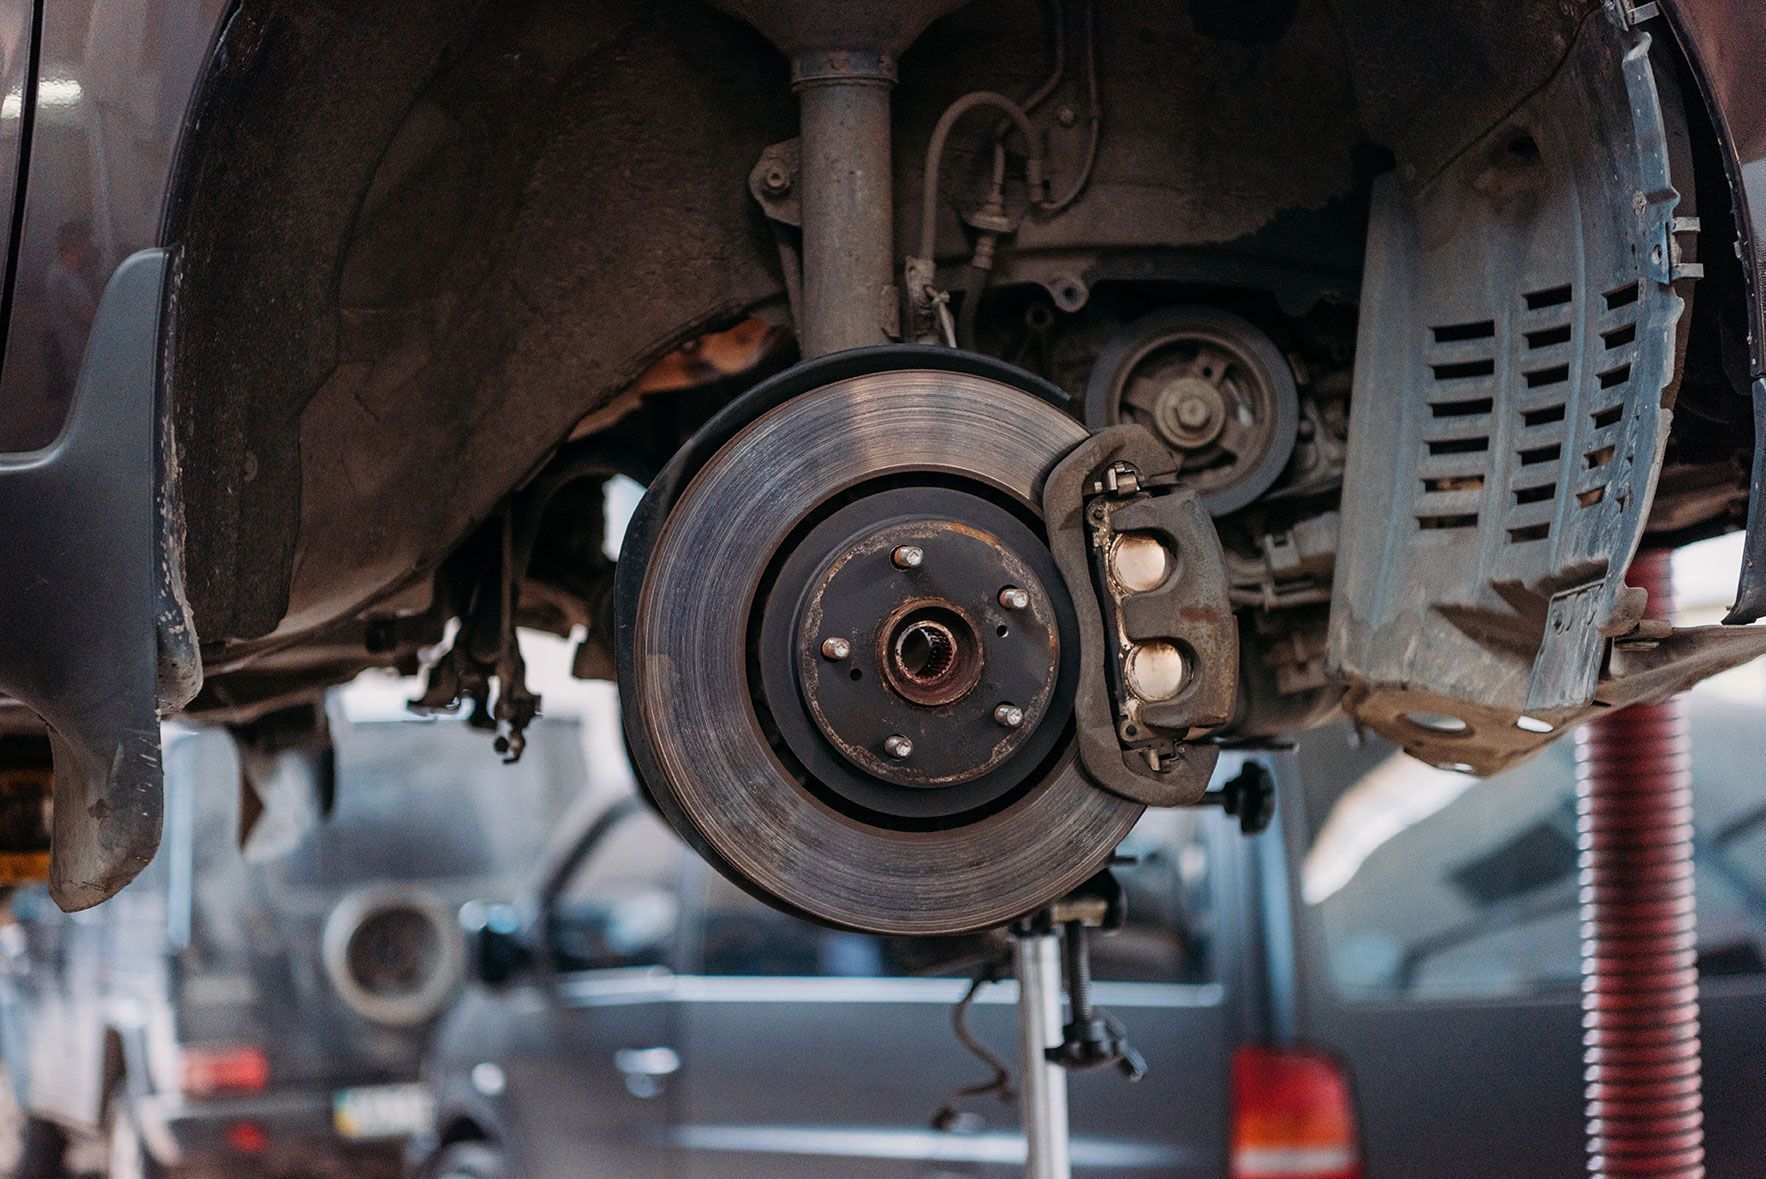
point(1600, 458)
point(1608, 417)
point(1530, 532)
point(1547, 337)
point(1619, 336)
point(1464, 370)
point(1462, 409)
point(1555, 375)
point(1459, 446)
point(1592, 496)
point(1533, 495)
point(1622, 296)
point(1441, 523)
point(1541, 454)
point(1454, 483)
point(1456, 333)
point(1615, 376)
point(1550, 297)
point(1543, 417)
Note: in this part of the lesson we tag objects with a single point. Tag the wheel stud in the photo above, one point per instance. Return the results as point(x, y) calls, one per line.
point(1013, 598)
point(1009, 715)
point(836, 649)
point(908, 556)
point(898, 746)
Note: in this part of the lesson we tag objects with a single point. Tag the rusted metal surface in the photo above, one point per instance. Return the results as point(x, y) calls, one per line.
point(704, 754)
point(1140, 746)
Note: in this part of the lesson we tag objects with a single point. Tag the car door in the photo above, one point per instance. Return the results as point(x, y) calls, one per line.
point(1441, 950)
point(590, 1069)
point(815, 1052)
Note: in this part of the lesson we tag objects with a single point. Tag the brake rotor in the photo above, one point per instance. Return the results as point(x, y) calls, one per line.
point(848, 668)
point(1214, 388)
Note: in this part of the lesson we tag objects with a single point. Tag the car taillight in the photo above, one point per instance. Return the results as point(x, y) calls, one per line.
point(234, 1068)
point(1292, 1117)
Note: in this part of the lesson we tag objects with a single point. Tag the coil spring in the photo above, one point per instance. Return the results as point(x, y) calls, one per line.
point(1640, 982)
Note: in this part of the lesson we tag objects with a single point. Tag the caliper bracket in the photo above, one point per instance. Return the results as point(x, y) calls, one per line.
point(1158, 650)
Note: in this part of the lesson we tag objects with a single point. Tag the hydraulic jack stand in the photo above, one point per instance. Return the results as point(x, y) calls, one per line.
point(1050, 954)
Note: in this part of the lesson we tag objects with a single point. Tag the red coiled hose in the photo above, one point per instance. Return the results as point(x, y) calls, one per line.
point(1640, 984)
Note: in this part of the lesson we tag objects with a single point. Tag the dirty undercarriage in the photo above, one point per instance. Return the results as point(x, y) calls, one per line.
point(1029, 405)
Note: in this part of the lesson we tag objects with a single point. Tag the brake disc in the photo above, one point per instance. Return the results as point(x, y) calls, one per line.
point(848, 660)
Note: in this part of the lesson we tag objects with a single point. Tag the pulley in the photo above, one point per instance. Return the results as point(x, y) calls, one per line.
point(1213, 388)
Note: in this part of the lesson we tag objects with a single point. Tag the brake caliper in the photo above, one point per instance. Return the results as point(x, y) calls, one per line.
point(1158, 641)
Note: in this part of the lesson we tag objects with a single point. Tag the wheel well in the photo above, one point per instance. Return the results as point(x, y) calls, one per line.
point(421, 245)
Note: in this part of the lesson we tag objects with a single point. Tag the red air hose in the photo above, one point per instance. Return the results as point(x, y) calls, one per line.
point(1640, 984)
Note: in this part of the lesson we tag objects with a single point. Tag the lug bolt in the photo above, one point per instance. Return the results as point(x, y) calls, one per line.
point(898, 746)
point(1009, 715)
point(1013, 598)
point(908, 556)
point(836, 649)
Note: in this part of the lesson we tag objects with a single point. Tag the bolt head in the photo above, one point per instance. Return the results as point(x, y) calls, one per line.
point(1009, 715)
point(898, 746)
point(777, 181)
point(1013, 598)
point(1193, 412)
point(836, 649)
point(908, 556)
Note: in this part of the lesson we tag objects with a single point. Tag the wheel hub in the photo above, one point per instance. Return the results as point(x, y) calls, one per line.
point(935, 653)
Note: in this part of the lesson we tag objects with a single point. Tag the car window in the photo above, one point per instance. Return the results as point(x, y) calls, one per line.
point(1166, 937)
point(1427, 883)
point(621, 906)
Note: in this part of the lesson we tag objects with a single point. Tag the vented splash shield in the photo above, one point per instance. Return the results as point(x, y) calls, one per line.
point(1517, 344)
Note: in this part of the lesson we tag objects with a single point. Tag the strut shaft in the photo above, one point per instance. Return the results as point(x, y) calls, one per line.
point(848, 200)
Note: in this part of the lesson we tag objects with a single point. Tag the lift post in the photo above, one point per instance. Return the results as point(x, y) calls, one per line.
point(1042, 1091)
point(1051, 955)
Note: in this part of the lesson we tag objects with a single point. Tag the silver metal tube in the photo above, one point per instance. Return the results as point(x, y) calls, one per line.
point(849, 297)
point(1042, 1090)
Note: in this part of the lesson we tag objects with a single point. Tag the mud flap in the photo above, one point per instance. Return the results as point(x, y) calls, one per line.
point(78, 629)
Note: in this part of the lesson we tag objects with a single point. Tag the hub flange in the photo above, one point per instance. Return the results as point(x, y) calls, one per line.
point(933, 652)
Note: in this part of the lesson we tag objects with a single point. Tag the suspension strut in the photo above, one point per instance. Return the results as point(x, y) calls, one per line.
point(1640, 970)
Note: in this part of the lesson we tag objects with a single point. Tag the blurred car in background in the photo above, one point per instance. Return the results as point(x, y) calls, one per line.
point(262, 1012)
point(1382, 985)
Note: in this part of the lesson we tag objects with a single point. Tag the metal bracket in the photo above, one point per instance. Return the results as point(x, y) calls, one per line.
point(773, 183)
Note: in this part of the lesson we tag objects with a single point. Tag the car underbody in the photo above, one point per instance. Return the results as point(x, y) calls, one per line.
point(1033, 399)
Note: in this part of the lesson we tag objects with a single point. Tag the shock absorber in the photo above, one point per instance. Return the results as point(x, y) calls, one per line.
point(843, 68)
point(1640, 971)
